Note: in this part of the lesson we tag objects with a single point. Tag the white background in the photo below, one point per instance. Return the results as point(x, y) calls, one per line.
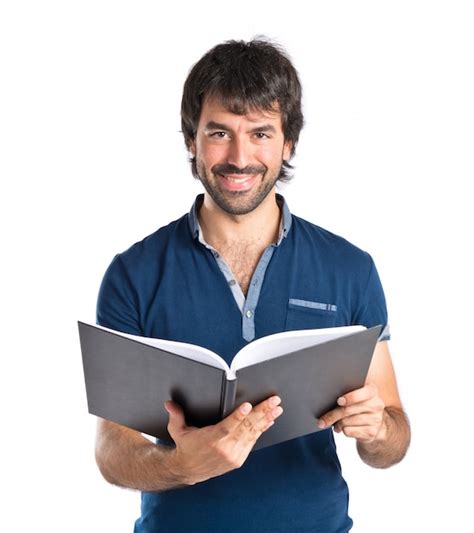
point(92, 160)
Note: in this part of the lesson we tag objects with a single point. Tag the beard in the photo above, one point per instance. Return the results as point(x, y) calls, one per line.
point(237, 202)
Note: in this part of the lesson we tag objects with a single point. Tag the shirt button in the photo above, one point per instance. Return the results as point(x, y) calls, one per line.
point(249, 314)
point(232, 282)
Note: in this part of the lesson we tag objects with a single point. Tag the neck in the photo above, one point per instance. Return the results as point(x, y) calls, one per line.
point(262, 224)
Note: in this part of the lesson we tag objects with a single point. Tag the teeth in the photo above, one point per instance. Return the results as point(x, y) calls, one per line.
point(237, 180)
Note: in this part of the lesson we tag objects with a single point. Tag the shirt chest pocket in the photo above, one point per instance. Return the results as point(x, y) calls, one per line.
point(307, 314)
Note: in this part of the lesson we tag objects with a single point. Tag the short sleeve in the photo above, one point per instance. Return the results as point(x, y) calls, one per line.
point(372, 308)
point(117, 303)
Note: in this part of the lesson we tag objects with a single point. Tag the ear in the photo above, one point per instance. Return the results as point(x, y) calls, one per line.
point(287, 147)
point(192, 147)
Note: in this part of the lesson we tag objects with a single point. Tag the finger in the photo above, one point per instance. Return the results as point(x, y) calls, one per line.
point(359, 420)
point(232, 421)
point(361, 433)
point(372, 405)
point(261, 416)
point(252, 428)
point(177, 422)
point(247, 418)
point(331, 417)
point(359, 395)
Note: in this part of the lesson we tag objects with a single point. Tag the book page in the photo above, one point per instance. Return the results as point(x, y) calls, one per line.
point(286, 342)
point(190, 351)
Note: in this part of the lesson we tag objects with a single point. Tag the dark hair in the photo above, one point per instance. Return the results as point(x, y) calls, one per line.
point(244, 76)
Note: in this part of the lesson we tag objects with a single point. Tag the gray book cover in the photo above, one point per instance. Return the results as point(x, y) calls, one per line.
point(128, 382)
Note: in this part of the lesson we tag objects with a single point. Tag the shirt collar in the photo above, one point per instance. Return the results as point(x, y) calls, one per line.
point(196, 228)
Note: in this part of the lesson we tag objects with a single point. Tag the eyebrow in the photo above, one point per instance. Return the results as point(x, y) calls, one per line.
point(211, 125)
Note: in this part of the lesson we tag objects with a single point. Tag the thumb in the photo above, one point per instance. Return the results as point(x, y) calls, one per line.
point(176, 423)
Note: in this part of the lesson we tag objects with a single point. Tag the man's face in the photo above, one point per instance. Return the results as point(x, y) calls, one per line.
point(238, 157)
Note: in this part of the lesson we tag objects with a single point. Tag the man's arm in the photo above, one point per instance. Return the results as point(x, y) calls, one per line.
point(127, 459)
point(373, 415)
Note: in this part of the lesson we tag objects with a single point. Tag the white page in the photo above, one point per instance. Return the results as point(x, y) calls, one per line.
point(286, 342)
point(256, 351)
point(190, 351)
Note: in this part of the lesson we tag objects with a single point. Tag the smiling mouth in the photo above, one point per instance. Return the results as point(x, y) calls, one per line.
point(237, 178)
point(238, 182)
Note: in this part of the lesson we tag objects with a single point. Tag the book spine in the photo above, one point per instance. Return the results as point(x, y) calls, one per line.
point(229, 390)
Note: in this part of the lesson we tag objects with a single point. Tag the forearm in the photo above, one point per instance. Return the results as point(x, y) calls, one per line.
point(127, 459)
point(391, 445)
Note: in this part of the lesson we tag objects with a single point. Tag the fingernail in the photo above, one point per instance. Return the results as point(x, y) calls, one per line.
point(277, 411)
point(275, 401)
point(341, 401)
point(246, 408)
point(321, 423)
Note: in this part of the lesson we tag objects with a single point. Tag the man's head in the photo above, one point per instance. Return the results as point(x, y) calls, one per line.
point(243, 83)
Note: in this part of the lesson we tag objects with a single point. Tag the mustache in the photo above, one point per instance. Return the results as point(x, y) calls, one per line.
point(232, 169)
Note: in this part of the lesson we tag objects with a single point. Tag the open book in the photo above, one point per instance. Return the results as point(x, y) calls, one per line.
point(128, 378)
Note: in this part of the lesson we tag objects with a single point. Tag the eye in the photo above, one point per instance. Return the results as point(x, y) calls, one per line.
point(261, 135)
point(218, 134)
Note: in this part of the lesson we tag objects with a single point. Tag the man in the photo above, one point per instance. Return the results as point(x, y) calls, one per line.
point(237, 267)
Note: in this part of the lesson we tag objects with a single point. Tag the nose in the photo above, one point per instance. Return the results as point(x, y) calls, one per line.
point(238, 153)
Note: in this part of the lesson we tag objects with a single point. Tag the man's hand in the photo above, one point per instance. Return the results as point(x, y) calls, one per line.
point(360, 415)
point(373, 415)
point(203, 453)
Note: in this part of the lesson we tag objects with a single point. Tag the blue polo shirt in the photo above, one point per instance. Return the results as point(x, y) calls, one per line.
point(173, 285)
